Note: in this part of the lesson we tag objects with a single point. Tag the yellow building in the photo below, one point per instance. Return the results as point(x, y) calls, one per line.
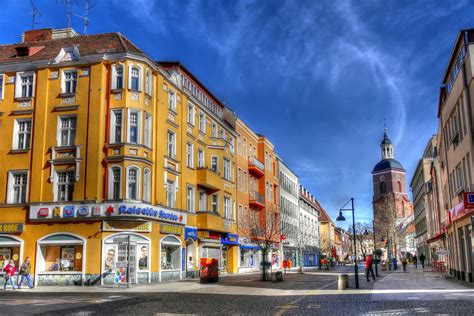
point(103, 148)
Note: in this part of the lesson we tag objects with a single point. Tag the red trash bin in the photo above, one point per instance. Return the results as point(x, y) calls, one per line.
point(209, 271)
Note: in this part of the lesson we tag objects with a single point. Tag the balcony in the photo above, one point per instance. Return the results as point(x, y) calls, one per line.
point(209, 179)
point(256, 199)
point(65, 155)
point(256, 167)
point(215, 222)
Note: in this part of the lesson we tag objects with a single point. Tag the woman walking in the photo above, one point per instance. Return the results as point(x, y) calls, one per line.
point(9, 269)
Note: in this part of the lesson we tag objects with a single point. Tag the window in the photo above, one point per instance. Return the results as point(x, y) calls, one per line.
point(245, 181)
point(170, 253)
point(200, 158)
point(117, 76)
point(17, 187)
point(24, 84)
point(240, 215)
point(214, 130)
point(171, 144)
point(115, 186)
point(170, 194)
point(134, 78)
point(227, 169)
point(147, 185)
point(133, 175)
point(227, 207)
point(67, 130)
point(190, 155)
point(148, 130)
point(239, 179)
point(2, 80)
point(202, 122)
point(190, 202)
point(215, 203)
point(133, 127)
point(202, 201)
point(22, 134)
point(191, 115)
point(214, 164)
point(172, 100)
point(60, 255)
point(148, 82)
point(239, 145)
point(65, 185)
point(69, 81)
point(244, 148)
point(116, 124)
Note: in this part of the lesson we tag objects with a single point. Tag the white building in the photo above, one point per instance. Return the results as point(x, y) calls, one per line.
point(309, 238)
point(289, 211)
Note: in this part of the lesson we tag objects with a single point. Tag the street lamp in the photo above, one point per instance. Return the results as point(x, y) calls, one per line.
point(366, 232)
point(342, 218)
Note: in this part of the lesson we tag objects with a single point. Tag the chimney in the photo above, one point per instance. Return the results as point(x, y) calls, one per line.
point(37, 35)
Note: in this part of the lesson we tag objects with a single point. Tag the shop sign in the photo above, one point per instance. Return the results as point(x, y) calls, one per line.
point(83, 211)
point(171, 229)
point(114, 226)
point(230, 239)
point(442, 252)
point(204, 234)
point(11, 228)
point(468, 199)
point(68, 211)
point(190, 232)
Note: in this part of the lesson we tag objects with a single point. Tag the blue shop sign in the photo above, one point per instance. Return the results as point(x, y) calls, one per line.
point(230, 239)
point(190, 232)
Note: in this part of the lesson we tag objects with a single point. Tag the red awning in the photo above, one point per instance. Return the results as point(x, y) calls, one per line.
point(437, 237)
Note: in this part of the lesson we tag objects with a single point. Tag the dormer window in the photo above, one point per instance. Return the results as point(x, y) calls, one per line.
point(22, 51)
point(69, 81)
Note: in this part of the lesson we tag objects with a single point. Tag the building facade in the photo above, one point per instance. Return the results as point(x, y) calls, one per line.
point(109, 150)
point(309, 236)
point(456, 153)
point(290, 212)
point(390, 200)
point(327, 233)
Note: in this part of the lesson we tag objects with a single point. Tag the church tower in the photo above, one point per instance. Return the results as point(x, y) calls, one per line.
point(390, 201)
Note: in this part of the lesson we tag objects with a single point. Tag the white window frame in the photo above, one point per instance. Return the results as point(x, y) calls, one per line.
point(114, 84)
point(202, 122)
point(57, 184)
point(171, 143)
point(227, 169)
point(215, 161)
point(201, 158)
point(215, 203)
point(59, 131)
point(18, 84)
point(111, 182)
point(239, 179)
point(148, 82)
point(140, 77)
point(171, 100)
point(147, 185)
point(190, 198)
point(227, 207)
point(2, 86)
point(137, 182)
point(189, 155)
point(191, 118)
point(16, 133)
point(11, 186)
point(202, 201)
point(139, 127)
point(113, 126)
point(73, 79)
point(171, 192)
point(148, 130)
point(215, 130)
point(245, 181)
point(239, 145)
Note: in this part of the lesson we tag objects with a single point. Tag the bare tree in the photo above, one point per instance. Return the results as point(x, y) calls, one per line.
point(265, 232)
point(361, 237)
point(386, 223)
point(305, 237)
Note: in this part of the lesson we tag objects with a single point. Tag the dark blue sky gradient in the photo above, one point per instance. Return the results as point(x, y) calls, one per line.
point(316, 77)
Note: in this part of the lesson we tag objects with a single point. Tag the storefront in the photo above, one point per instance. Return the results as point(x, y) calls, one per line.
point(11, 248)
point(210, 246)
point(190, 237)
point(250, 256)
point(310, 257)
point(290, 253)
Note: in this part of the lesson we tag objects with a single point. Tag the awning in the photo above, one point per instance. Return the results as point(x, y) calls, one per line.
point(435, 238)
point(249, 247)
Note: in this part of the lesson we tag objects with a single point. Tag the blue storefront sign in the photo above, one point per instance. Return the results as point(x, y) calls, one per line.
point(230, 239)
point(190, 232)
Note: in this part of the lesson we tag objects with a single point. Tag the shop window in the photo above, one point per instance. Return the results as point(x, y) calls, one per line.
point(60, 253)
point(170, 253)
point(111, 254)
point(9, 249)
point(247, 258)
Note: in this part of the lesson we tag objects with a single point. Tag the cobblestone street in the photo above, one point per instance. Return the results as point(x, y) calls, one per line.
point(315, 292)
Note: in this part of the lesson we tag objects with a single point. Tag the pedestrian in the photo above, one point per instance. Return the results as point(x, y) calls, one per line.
point(25, 273)
point(415, 262)
point(422, 259)
point(9, 273)
point(368, 268)
point(404, 264)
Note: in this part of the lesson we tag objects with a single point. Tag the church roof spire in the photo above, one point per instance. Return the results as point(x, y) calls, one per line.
point(387, 146)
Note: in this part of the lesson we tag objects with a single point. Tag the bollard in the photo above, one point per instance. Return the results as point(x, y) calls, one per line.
point(342, 281)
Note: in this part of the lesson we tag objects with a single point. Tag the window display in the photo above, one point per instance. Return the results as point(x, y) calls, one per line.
point(170, 253)
point(61, 258)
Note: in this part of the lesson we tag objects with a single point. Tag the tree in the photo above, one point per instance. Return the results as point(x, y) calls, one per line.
point(265, 231)
point(386, 222)
point(361, 238)
point(304, 238)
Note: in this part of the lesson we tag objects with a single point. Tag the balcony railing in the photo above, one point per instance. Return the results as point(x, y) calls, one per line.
point(257, 199)
point(256, 166)
point(61, 155)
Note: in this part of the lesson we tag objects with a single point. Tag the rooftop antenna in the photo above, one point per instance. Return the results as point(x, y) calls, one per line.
point(85, 18)
point(35, 13)
point(67, 3)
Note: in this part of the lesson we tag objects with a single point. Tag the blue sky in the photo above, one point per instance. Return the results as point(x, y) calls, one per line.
point(316, 77)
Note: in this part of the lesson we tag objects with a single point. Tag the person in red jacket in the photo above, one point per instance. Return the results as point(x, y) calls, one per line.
point(9, 270)
point(368, 268)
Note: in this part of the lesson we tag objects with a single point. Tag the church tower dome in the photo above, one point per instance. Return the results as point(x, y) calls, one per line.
point(388, 155)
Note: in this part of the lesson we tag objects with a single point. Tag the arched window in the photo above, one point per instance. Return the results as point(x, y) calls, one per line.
point(115, 183)
point(133, 181)
point(383, 187)
point(134, 78)
point(147, 185)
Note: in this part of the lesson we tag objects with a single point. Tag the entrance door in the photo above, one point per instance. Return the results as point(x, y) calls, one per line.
point(224, 258)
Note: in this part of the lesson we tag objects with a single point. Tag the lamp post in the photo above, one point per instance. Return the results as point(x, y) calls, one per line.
point(375, 245)
point(342, 218)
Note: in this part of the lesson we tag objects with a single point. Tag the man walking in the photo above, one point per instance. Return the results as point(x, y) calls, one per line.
point(415, 261)
point(9, 273)
point(368, 268)
point(25, 273)
point(422, 259)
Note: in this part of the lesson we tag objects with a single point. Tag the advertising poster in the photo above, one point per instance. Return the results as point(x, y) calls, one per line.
point(67, 258)
point(110, 257)
point(143, 257)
